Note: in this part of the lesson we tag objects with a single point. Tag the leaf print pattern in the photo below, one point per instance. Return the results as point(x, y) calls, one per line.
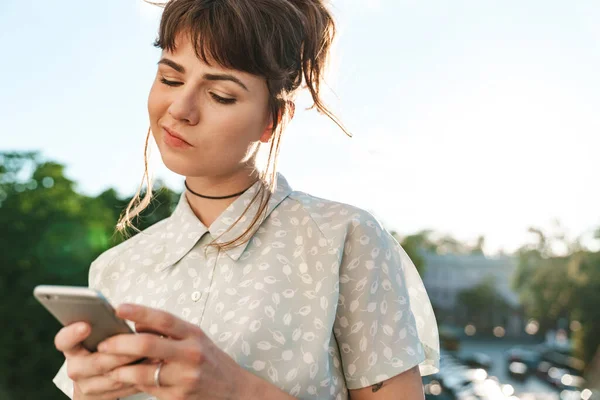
point(322, 299)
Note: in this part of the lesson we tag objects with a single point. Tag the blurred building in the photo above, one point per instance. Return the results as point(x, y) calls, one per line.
point(447, 275)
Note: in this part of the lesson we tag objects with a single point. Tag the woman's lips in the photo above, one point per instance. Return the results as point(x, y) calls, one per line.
point(172, 139)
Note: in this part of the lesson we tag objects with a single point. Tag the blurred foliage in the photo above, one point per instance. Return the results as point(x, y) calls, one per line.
point(481, 303)
point(432, 242)
point(50, 234)
point(565, 284)
point(413, 245)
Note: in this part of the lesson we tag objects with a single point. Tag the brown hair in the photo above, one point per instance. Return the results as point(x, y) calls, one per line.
point(285, 41)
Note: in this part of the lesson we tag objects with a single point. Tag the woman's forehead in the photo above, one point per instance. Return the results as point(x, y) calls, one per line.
point(185, 52)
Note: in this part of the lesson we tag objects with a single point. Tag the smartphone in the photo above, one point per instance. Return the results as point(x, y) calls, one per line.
point(69, 304)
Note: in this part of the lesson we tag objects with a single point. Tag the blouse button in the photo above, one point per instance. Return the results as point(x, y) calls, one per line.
point(196, 296)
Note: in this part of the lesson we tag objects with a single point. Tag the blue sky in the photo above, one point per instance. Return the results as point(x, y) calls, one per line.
point(469, 117)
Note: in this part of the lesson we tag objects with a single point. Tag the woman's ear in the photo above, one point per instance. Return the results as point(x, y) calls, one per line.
point(268, 132)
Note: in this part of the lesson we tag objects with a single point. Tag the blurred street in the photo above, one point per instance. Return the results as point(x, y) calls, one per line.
point(496, 350)
point(481, 369)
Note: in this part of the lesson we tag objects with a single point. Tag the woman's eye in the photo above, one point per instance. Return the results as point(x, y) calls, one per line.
point(222, 100)
point(170, 83)
point(216, 97)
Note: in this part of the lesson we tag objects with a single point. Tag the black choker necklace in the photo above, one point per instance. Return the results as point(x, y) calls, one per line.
point(216, 197)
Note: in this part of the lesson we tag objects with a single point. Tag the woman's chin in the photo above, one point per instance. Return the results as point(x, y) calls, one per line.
point(178, 165)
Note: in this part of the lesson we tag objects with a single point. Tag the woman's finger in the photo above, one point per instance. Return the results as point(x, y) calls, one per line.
point(158, 321)
point(101, 384)
point(144, 345)
point(141, 328)
point(171, 374)
point(68, 339)
point(96, 364)
point(103, 388)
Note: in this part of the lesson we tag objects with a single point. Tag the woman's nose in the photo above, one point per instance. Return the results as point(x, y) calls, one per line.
point(185, 108)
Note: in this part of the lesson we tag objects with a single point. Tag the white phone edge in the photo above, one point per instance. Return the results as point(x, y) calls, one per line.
point(67, 290)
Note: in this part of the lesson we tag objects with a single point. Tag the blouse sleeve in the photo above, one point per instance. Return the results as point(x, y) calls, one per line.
point(384, 324)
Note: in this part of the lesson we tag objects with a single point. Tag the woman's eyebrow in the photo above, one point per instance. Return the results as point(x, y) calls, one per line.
point(177, 67)
point(209, 77)
point(224, 77)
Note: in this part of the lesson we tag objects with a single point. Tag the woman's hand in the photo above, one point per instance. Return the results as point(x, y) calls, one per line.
point(87, 370)
point(193, 366)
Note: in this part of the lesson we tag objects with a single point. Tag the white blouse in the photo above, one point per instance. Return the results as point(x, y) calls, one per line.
point(322, 299)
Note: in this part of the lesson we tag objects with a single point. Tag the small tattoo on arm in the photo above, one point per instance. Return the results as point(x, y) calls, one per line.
point(376, 386)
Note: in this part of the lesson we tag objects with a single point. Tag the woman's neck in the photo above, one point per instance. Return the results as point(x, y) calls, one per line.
point(208, 210)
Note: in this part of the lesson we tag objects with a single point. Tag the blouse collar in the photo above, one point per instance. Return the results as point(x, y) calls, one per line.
point(183, 229)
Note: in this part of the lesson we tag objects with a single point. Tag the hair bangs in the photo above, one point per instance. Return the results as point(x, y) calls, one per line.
point(220, 33)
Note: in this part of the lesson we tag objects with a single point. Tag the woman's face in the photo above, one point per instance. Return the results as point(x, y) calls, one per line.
point(221, 115)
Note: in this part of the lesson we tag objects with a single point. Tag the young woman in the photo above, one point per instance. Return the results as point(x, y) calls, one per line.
point(249, 289)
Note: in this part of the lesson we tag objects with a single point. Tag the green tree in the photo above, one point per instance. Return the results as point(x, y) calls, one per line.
point(584, 274)
point(481, 303)
point(566, 285)
point(447, 244)
point(414, 245)
point(542, 280)
point(478, 247)
point(50, 234)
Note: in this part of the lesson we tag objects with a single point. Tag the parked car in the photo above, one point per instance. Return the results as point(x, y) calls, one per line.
point(518, 370)
point(478, 360)
point(531, 357)
point(543, 369)
point(450, 365)
point(562, 379)
point(455, 382)
point(563, 358)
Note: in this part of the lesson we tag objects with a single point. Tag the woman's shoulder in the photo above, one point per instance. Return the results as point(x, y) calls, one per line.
point(150, 236)
point(331, 215)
